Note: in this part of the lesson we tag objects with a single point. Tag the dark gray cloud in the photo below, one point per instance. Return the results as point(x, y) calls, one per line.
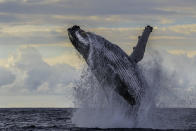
point(70, 12)
point(85, 7)
point(7, 18)
point(36, 12)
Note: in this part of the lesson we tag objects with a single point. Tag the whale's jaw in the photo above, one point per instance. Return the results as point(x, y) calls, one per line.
point(79, 40)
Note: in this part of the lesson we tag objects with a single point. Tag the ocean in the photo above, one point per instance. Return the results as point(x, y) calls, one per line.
point(57, 119)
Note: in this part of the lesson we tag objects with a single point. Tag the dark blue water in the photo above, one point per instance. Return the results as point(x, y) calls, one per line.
point(60, 119)
point(35, 119)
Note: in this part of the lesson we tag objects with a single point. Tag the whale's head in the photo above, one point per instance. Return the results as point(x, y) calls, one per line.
point(80, 40)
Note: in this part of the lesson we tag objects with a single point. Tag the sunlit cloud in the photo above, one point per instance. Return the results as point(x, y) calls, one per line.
point(183, 52)
point(23, 30)
point(167, 38)
point(183, 29)
point(166, 21)
point(71, 59)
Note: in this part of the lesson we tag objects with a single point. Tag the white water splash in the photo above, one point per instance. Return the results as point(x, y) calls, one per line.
point(98, 105)
point(102, 107)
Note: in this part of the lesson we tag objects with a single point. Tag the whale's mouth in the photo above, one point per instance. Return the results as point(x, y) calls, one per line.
point(72, 32)
point(74, 28)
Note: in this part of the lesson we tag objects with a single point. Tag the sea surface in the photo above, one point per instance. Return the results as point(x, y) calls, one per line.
point(49, 119)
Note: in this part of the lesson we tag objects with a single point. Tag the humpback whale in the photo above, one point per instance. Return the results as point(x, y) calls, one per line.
point(110, 64)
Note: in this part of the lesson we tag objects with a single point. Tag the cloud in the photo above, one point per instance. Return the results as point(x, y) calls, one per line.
point(34, 76)
point(87, 7)
point(167, 37)
point(31, 34)
point(166, 21)
point(184, 29)
point(175, 37)
point(71, 58)
point(90, 11)
point(183, 52)
point(42, 22)
point(6, 76)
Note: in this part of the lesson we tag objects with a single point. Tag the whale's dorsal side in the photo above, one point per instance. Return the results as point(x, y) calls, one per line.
point(138, 51)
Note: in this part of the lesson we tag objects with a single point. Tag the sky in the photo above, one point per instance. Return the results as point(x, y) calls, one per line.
point(38, 64)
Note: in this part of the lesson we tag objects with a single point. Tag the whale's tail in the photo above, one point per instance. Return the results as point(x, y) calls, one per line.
point(138, 51)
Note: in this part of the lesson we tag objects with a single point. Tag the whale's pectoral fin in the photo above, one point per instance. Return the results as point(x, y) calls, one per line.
point(138, 51)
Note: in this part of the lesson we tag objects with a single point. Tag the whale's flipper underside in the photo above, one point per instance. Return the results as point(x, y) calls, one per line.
point(138, 51)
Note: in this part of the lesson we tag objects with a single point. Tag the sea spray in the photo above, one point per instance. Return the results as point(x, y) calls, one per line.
point(99, 106)
point(163, 76)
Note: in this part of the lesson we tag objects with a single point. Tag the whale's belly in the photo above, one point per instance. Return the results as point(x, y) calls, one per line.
point(116, 71)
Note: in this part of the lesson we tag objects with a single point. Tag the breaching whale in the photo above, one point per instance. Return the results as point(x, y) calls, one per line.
point(110, 64)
